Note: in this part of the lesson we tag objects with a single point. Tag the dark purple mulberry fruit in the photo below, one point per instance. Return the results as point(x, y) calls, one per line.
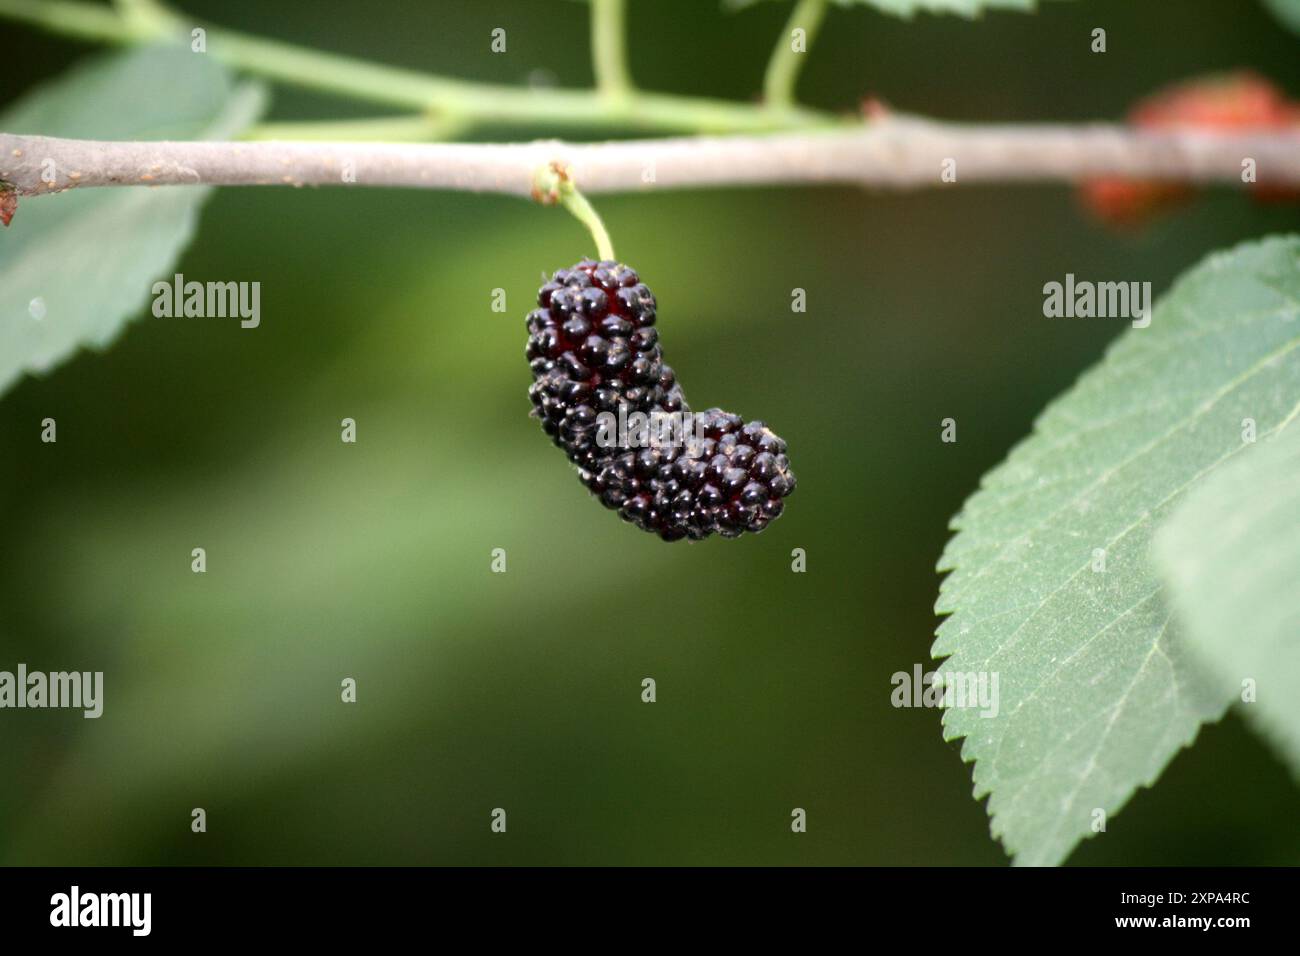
point(604, 395)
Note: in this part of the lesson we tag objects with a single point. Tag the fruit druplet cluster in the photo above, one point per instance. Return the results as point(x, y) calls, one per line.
point(596, 360)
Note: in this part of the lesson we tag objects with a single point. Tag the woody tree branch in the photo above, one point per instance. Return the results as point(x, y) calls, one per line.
point(773, 142)
point(892, 152)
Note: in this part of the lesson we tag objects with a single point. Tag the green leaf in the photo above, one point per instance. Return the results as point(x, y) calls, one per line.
point(909, 8)
point(75, 266)
point(1230, 555)
point(1097, 690)
point(1287, 11)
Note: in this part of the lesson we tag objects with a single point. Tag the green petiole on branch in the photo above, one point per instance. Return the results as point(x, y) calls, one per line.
point(553, 184)
point(609, 48)
point(791, 49)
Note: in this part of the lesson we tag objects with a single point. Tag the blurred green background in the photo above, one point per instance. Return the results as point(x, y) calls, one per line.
point(522, 690)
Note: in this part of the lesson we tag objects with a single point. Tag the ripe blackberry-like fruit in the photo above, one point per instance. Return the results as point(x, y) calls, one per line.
point(597, 365)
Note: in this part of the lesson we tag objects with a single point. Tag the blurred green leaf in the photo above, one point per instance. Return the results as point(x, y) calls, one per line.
point(1230, 555)
point(1097, 692)
point(75, 267)
point(909, 8)
point(1287, 11)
